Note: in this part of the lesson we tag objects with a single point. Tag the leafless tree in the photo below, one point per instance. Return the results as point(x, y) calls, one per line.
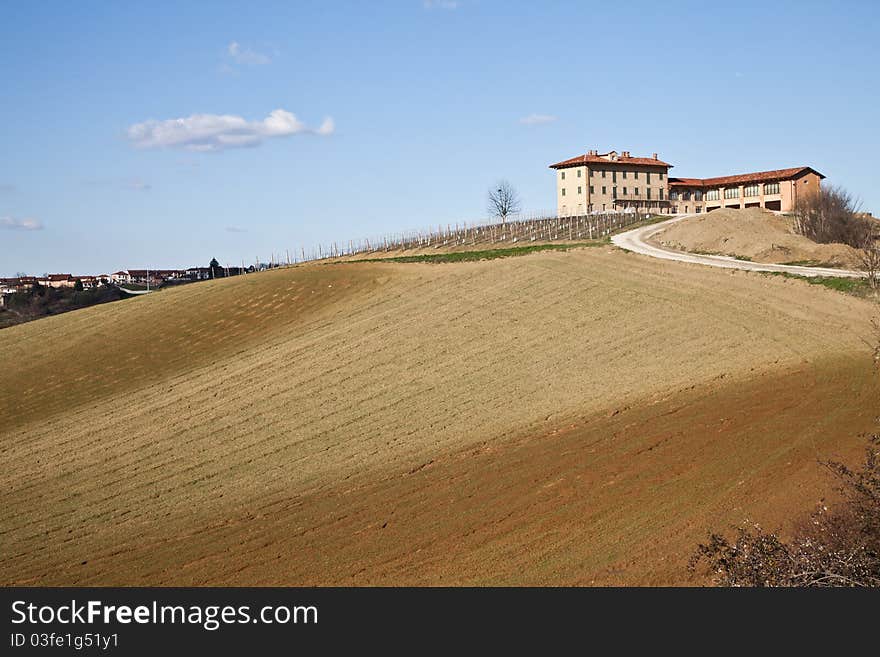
point(871, 260)
point(831, 215)
point(503, 201)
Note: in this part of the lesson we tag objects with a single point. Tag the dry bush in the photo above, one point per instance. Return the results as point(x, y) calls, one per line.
point(870, 259)
point(839, 547)
point(831, 215)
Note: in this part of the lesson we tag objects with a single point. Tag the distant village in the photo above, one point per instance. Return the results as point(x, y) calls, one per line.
point(141, 277)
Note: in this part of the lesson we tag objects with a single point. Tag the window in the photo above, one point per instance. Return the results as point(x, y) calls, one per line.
point(699, 209)
point(603, 173)
point(713, 195)
point(636, 191)
point(591, 173)
point(614, 176)
point(661, 175)
point(673, 196)
point(636, 175)
point(649, 192)
point(624, 175)
point(579, 173)
point(614, 192)
point(604, 190)
point(624, 191)
point(648, 177)
point(661, 193)
point(592, 191)
point(750, 190)
point(563, 191)
point(731, 192)
point(563, 175)
point(580, 190)
point(771, 188)
point(698, 195)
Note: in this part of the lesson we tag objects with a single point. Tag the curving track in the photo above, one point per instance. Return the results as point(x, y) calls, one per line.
point(637, 241)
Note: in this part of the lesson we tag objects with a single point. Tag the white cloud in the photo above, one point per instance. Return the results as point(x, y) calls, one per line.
point(441, 4)
point(214, 132)
point(10, 223)
point(245, 55)
point(537, 119)
point(327, 127)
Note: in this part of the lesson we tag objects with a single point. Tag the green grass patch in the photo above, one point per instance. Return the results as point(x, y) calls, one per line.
point(812, 263)
point(486, 254)
point(856, 286)
point(718, 253)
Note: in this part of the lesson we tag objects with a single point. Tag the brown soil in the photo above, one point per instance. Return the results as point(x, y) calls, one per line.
point(756, 234)
point(580, 417)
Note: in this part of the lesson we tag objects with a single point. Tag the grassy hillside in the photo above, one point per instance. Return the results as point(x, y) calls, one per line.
point(524, 420)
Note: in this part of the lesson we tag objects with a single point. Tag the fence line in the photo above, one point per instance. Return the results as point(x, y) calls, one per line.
point(522, 228)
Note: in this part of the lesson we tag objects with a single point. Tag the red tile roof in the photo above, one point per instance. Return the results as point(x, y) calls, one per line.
point(589, 158)
point(759, 176)
point(59, 277)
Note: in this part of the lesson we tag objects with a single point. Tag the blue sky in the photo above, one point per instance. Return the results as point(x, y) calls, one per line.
point(353, 119)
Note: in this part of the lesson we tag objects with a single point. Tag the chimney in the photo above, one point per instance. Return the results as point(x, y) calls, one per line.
point(655, 156)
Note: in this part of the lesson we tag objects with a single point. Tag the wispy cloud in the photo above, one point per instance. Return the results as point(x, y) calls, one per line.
point(441, 4)
point(28, 223)
point(242, 55)
point(537, 119)
point(235, 229)
point(128, 184)
point(138, 185)
point(215, 132)
point(7, 187)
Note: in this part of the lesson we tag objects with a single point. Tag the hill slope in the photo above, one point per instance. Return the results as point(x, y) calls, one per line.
point(527, 420)
point(755, 234)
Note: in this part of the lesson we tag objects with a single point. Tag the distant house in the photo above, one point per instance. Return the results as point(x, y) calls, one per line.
point(121, 276)
point(25, 283)
point(88, 282)
point(198, 273)
point(60, 280)
point(8, 285)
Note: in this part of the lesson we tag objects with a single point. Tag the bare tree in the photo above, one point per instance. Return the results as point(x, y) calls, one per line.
point(831, 215)
point(870, 257)
point(503, 201)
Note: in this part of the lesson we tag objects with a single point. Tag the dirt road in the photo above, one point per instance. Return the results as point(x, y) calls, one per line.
point(637, 241)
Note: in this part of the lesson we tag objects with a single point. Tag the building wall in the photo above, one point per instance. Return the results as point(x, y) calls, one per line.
point(634, 180)
point(569, 201)
point(785, 200)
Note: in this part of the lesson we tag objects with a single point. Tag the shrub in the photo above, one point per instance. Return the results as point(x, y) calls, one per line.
point(832, 215)
point(839, 547)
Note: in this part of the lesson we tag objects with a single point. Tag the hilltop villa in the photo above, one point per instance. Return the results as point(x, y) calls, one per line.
point(597, 182)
